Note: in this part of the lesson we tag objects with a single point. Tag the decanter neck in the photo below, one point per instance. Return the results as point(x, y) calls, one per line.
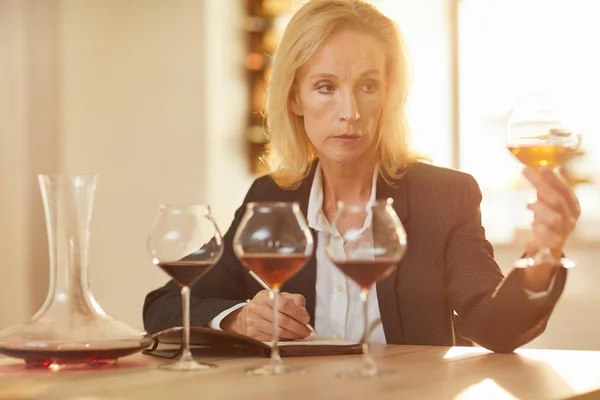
point(68, 203)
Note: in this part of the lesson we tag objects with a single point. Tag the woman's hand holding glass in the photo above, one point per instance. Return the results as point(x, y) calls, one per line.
point(555, 214)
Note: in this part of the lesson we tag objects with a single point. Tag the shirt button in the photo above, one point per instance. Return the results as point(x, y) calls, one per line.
point(340, 288)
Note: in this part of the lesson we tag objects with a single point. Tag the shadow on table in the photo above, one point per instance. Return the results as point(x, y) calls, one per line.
point(202, 353)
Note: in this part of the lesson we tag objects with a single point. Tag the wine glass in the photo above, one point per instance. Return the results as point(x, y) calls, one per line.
point(367, 246)
point(185, 242)
point(538, 136)
point(274, 242)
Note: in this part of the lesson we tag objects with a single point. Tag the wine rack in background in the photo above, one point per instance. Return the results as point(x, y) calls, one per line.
point(262, 37)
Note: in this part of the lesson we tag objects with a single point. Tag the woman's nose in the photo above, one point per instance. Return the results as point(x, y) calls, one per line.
point(349, 108)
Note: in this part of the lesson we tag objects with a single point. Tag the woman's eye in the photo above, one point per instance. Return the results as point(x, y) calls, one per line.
point(325, 88)
point(370, 87)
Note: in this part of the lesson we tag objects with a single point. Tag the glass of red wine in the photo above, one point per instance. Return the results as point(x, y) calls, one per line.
point(273, 241)
point(185, 242)
point(367, 246)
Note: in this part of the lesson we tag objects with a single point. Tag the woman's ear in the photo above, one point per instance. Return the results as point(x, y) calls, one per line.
point(295, 103)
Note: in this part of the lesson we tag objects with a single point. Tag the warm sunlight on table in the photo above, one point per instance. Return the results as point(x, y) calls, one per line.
point(486, 389)
point(423, 372)
point(561, 371)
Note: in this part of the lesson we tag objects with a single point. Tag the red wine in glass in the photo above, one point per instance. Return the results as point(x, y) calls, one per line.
point(374, 242)
point(48, 357)
point(185, 242)
point(367, 272)
point(186, 273)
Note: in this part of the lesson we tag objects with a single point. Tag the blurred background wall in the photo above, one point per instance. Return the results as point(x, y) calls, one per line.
point(108, 87)
point(152, 96)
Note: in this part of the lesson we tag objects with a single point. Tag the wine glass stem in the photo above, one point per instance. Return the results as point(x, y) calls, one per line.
point(186, 354)
point(275, 357)
point(368, 363)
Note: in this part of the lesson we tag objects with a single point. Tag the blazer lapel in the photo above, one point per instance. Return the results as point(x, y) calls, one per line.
point(398, 192)
point(386, 289)
point(305, 281)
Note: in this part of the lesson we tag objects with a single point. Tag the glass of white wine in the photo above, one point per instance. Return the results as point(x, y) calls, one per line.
point(538, 136)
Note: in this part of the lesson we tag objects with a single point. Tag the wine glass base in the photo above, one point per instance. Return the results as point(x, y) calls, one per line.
point(531, 262)
point(275, 369)
point(187, 365)
point(365, 373)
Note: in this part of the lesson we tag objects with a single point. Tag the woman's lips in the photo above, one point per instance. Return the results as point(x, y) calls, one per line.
point(346, 138)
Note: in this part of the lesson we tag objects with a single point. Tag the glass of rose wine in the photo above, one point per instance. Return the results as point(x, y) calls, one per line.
point(185, 242)
point(538, 136)
point(274, 242)
point(367, 247)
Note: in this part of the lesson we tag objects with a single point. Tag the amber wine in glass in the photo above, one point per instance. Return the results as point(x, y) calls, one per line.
point(274, 242)
point(543, 155)
point(538, 136)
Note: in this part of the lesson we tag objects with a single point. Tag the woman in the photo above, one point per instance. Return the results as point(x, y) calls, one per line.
point(338, 132)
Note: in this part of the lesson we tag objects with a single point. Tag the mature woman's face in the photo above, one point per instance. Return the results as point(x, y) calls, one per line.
point(340, 93)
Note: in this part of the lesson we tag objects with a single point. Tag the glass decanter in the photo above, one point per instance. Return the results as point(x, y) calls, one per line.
point(70, 329)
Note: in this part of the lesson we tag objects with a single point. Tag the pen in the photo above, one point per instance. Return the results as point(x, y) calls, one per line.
point(266, 286)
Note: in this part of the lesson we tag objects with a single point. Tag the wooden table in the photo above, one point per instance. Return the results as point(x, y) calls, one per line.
point(424, 372)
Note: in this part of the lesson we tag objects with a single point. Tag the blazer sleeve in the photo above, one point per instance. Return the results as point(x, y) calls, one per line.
point(493, 311)
point(221, 288)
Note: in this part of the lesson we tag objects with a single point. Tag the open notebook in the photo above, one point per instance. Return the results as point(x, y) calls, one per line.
point(168, 344)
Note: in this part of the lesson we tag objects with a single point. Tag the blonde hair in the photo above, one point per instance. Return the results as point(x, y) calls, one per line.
point(290, 152)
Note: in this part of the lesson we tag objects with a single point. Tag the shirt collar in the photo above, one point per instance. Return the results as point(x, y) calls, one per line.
point(315, 217)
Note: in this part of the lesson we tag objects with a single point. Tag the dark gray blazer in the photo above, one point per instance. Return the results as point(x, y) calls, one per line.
point(449, 266)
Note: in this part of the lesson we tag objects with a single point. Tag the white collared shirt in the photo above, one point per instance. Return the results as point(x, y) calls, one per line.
point(338, 310)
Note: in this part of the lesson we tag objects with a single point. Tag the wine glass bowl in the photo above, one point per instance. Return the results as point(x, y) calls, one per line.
point(185, 243)
point(274, 242)
point(539, 135)
point(368, 244)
